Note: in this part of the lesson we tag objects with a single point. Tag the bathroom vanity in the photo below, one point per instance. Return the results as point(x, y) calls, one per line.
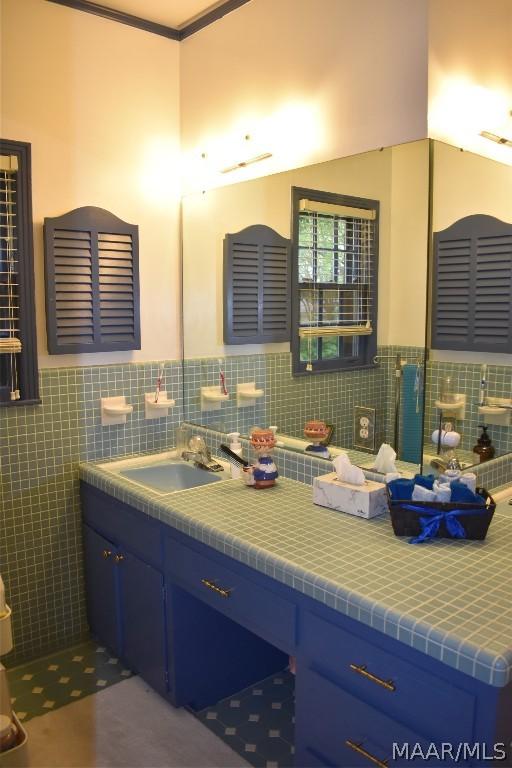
point(205, 591)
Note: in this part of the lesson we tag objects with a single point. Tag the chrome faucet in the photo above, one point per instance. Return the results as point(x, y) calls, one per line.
point(200, 454)
point(451, 463)
point(198, 451)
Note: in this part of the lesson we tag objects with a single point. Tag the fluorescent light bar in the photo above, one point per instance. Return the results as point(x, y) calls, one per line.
point(245, 163)
point(496, 138)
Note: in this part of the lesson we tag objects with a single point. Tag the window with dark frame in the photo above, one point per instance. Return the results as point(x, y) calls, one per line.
point(334, 304)
point(18, 351)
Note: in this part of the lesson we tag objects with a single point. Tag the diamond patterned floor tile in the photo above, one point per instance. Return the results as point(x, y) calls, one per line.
point(54, 681)
point(258, 722)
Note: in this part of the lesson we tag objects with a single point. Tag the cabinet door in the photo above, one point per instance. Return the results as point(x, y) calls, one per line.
point(142, 611)
point(101, 588)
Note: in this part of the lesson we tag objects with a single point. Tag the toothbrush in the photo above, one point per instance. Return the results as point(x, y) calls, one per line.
point(418, 381)
point(222, 379)
point(234, 458)
point(483, 383)
point(159, 381)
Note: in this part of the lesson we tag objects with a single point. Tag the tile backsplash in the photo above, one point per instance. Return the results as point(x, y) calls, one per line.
point(466, 380)
point(40, 448)
point(288, 401)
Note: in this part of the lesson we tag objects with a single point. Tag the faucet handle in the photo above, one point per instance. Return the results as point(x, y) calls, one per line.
point(197, 444)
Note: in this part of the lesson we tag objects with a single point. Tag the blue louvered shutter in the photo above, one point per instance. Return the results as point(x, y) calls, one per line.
point(472, 286)
point(92, 282)
point(256, 286)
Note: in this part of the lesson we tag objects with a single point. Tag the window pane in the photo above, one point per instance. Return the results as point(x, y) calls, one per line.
point(305, 230)
point(305, 264)
point(308, 350)
point(330, 307)
point(351, 346)
point(325, 232)
point(330, 349)
point(341, 276)
point(309, 303)
point(325, 267)
point(341, 232)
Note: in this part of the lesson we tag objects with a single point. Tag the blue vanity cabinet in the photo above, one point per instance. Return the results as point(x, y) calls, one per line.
point(125, 585)
point(199, 625)
point(233, 589)
point(102, 591)
point(226, 631)
point(143, 621)
point(359, 692)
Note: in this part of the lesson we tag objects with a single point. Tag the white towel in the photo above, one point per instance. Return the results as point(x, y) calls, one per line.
point(422, 494)
point(347, 472)
point(469, 479)
point(385, 459)
point(443, 492)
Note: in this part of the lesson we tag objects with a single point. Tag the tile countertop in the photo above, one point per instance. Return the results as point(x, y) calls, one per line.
point(447, 599)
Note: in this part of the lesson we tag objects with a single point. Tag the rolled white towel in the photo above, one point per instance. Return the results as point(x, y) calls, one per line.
point(442, 491)
point(448, 439)
point(469, 479)
point(420, 493)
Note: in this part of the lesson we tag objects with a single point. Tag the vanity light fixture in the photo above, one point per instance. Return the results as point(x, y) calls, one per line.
point(496, 138)
point(245, 163)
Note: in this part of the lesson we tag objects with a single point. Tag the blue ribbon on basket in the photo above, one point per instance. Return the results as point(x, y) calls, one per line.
point(430, 525)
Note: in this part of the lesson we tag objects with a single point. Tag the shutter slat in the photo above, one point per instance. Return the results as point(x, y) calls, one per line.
point(472, 286)
point(256, 286)
point(92, 282)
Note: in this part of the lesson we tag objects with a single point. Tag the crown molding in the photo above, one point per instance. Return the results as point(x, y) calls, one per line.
point(210, 17)
point(151, 26)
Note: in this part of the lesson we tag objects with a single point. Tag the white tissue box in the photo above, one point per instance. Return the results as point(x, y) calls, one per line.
point(368, 500)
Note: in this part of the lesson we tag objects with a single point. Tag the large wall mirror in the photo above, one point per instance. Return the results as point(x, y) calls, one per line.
point(469, 372)
point(346, 243)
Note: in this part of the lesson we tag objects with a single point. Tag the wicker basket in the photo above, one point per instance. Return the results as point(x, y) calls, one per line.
point(406, 522)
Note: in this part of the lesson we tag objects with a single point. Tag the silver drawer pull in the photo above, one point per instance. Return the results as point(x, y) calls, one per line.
point(358, 747)
point(361, 670)
point(215, 588)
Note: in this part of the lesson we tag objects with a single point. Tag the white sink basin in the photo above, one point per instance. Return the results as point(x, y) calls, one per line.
point(165, 473)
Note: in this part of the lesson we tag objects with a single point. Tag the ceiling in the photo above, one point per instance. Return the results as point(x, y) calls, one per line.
point(170, 13)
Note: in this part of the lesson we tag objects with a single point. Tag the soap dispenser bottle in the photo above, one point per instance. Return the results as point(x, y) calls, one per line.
point(236, 446)
point(484, 448)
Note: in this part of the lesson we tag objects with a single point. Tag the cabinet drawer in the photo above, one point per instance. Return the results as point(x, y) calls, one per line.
point(129, 528)
point(256, 608)
point(342, 730)
point(387, 682)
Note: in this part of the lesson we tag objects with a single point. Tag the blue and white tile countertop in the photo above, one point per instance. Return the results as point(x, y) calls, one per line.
point(448, 599)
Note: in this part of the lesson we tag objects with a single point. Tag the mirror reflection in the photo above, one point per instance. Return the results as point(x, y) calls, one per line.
point(468, 402)
point(304, 302)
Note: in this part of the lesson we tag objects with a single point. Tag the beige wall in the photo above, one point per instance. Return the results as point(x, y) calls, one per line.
point(99, 102)
point(465, 183)
point(321, 80)
point(397, 177)
point(470, 73)
point(406, 291)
